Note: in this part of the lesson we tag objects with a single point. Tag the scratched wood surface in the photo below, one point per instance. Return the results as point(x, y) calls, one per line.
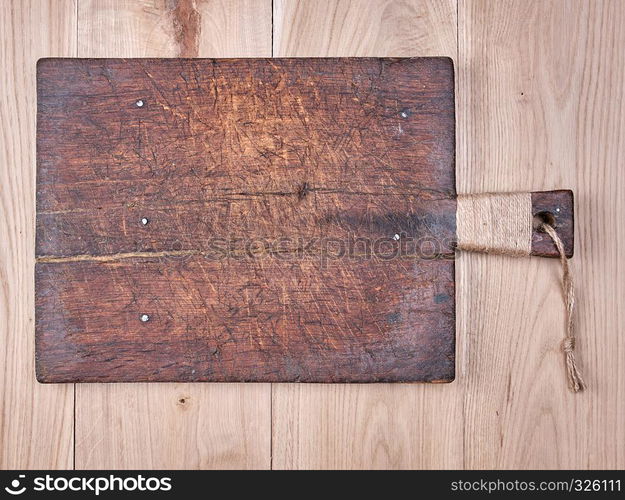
point(539, 108)
point(298, 151)
point(242, 149)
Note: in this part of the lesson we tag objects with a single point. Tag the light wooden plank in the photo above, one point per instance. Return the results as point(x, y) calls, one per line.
point(36, 421)
point(177, 28)
point(381, 425)
point(172, 426)
point(377, 28)
point(541, 106)
point(142, 425)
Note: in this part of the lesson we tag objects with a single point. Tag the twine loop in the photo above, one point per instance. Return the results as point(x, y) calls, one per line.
point(576, 382)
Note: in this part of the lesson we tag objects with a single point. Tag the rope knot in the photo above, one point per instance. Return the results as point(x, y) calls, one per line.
point(568, 344)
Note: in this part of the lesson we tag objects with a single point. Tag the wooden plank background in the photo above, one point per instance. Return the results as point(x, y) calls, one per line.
point(539, 98)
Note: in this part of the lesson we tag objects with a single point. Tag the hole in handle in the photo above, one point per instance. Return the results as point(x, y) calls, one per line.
point(543, 218)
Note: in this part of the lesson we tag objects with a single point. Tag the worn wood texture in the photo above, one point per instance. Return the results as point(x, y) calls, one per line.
point(36, 422)
point(264, 320)
point(229, 422)
point(556, 208)
point(242, 149)
point(305, 152)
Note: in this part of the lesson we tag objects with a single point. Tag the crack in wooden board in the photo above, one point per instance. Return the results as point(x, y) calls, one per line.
point(307, 152)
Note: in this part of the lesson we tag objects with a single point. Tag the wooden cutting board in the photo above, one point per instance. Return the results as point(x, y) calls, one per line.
point(247, 220)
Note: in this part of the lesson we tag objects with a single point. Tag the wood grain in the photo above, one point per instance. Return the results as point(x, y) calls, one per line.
point(381, 426)
point(363, 28)
point(541, 97)
point(173, 426)
point(136, 29)
point(36, 422)
point(174, 28)
point(377, 426)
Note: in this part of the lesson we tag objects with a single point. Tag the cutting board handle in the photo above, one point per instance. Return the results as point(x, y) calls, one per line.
point(512, 223)
point(555, 208)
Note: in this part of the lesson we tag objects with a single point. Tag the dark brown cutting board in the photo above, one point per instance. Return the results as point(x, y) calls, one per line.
point(246, 220)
